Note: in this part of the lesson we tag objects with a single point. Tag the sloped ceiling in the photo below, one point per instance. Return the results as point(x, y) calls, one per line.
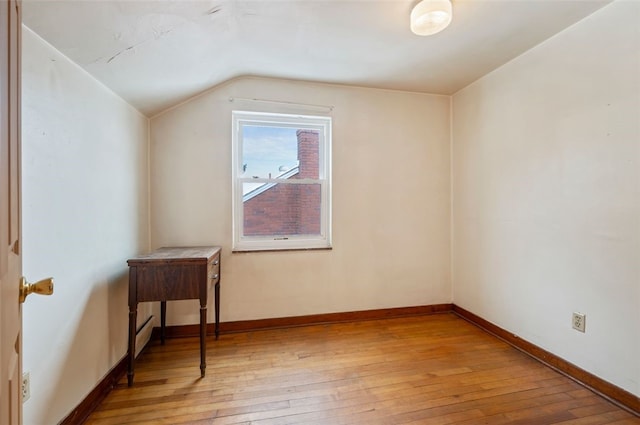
point(155, 53)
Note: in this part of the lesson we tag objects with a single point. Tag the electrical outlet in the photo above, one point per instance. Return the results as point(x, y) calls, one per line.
point(578, 321)
point(26, 386)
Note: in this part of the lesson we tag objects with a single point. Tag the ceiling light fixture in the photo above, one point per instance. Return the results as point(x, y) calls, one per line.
point(430, 16)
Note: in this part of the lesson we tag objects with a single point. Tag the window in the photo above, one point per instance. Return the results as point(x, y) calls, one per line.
point(281, 181)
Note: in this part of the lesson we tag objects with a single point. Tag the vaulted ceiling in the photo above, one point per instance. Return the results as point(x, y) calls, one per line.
point(156, 53)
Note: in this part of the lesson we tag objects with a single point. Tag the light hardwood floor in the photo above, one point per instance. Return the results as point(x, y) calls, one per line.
point(435, 369)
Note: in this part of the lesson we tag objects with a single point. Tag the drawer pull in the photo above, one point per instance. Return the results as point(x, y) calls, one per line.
point(216, 262)
point(215, 276)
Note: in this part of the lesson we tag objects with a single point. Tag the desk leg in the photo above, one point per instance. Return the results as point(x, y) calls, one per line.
point(203, 335)
point(217, 308)
point(133, 313)
point(163, 320)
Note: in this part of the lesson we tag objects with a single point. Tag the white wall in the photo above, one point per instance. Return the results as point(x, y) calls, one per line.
point(85, 212)
point(546, 194)
point(391, 210)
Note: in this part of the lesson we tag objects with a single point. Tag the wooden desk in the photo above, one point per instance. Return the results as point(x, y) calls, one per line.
point(173, 274)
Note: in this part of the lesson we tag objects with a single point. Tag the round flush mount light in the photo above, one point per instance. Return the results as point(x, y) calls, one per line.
point(430, 16)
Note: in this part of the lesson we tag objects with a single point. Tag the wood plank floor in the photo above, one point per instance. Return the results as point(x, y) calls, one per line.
point(435, 369)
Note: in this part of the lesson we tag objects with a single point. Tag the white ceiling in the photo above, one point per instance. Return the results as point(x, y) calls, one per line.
point(156, 53)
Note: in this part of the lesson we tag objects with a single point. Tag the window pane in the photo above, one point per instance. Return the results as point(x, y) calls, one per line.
point(270, 152)
point(281, 209)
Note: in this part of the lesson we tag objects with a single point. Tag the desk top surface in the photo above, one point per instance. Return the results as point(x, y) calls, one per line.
point(177, 254)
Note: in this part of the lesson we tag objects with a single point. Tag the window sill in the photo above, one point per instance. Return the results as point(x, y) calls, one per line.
point(246, 251)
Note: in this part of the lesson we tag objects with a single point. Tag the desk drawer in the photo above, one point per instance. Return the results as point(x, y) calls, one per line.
point(213, 271)
point(161, 283)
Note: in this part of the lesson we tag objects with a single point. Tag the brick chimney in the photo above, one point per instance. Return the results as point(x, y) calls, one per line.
point(308, 154)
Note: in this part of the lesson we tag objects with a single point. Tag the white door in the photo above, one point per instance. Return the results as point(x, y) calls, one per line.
point(10, 257)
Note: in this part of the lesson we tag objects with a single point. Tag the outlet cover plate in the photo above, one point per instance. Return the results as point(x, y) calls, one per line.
point(26, 386)
point(579, 321)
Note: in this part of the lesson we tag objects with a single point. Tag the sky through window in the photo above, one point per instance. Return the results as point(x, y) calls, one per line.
point(267, 152)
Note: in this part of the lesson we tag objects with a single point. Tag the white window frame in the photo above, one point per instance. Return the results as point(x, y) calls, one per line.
point(281, 242)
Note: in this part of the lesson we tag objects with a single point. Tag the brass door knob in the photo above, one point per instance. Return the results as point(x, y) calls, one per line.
point(42, 287)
